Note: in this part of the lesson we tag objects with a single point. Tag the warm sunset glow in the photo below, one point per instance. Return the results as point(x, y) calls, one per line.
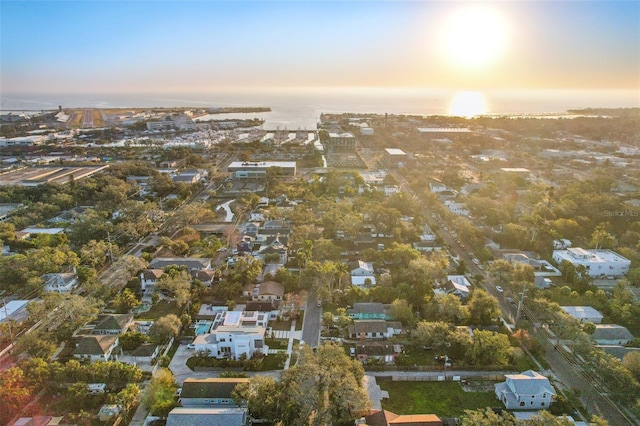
point(468, 104)
point(474, 37)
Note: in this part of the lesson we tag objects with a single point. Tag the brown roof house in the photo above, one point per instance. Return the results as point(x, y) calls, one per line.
point(387, 418)
point(268, 291)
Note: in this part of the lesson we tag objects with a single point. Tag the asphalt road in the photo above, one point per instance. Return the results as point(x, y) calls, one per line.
point(311, 323)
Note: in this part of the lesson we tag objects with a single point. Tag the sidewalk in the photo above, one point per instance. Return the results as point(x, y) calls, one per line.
point(293, 334)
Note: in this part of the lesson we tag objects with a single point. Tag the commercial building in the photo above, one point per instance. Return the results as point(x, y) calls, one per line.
point(598, 263)
point(394, 158)
point(258, 169)
point(341, 142)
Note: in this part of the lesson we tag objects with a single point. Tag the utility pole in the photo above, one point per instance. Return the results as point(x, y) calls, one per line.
point(6, 316)
point(521, 302)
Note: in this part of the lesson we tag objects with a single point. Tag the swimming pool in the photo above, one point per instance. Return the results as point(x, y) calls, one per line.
point(203, 327)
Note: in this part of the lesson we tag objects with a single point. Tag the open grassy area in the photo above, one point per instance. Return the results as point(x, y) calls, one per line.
point(277, 343)
point(160, 309)
point(445, 399)
point(280, 325)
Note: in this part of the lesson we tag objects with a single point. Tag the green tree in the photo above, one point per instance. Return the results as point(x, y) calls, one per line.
point(487, 417)
point(327, 319)
point(37, 343)
point(324, 387)
point(14, 393)
point(401, 311)
point(483, 308)
point(132, 339)
point(632, 363)
point(158, 396)
point(489, 348)
point(263, 396)
point(433, 334)
point(126, 301)
point(165, 328)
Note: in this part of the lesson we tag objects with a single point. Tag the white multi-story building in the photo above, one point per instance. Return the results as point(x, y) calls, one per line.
point(605, 263)
point(236, 335)
point(60, 283)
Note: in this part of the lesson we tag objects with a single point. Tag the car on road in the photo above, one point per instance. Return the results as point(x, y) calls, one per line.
point(499, 289)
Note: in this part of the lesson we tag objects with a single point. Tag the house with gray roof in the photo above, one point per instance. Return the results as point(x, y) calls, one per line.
point(60, 283)
point(209, 391)
point(207, 416)
point(369, 310)
point(114, 324)
point(584, 313)
point(526, 391)
point(612, 334)
point(97, 348)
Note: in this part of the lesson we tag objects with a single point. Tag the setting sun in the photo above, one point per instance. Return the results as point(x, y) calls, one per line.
point(474, 37)
point(468, 104)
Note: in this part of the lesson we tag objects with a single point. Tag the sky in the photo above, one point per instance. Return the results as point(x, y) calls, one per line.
point(178, 47)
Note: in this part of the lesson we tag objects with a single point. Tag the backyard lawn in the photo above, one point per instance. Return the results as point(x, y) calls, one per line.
point(160, 309)
point(444, 399)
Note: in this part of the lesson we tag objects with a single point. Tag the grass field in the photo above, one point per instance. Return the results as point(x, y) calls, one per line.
point(444, 399)
point(160, 309)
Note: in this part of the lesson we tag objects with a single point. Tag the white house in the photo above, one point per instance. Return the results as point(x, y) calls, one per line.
point(234, 336)
point(457, 208)
point(97, 348)
point(438, 187)
point(60, 283)
point(362, 272)
point(584, 313)
point(598, 263)
point(526, 391)
point(149, 278)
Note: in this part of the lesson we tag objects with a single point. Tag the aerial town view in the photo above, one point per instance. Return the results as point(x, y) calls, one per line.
point(327, 213)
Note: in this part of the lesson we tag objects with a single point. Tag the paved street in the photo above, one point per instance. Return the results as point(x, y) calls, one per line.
point(312, 321)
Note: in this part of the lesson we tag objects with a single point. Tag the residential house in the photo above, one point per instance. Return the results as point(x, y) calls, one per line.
point(209, 391)
point(612, 334)
point(457, 208)
point(60, 283)
point(146, 353)
point(451, 287)
point(251, 229)
point(426, 246)
point(112, 324)
point(526, 391)
point(207, 416)
point(149, 279)
point(268, 308)
point(541, 268)
point(371, 329)
point(233, 334)
point(205, 276)
point(438, 187)
point(362, 272)
point(191, 263)
point(584, 313)
point(542, 282)
point(598, 263)
point(97, 348)
point(15, 310)
point(269, 291)
point(388, 418)
point(373, 350)
point(364, 311)
point(275, 245)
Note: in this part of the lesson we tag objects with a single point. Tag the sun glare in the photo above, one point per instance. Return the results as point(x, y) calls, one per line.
point(468, 104)
point(474, 37)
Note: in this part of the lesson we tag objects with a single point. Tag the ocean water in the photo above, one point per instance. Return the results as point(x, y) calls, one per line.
point(301, 108)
